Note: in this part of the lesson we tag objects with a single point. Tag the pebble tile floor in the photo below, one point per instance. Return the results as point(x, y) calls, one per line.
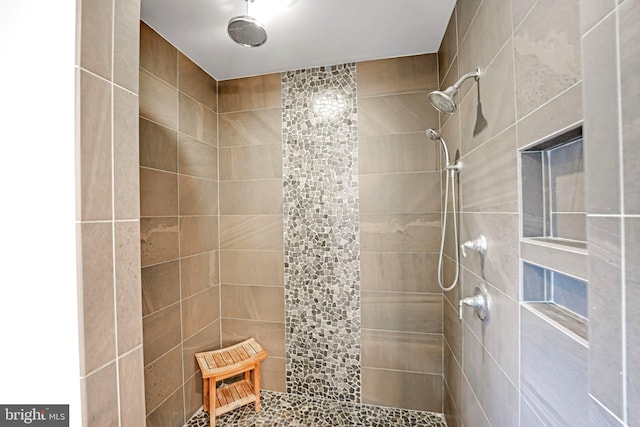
point(287, 410)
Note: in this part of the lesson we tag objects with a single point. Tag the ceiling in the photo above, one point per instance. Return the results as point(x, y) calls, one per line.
point(301, 33)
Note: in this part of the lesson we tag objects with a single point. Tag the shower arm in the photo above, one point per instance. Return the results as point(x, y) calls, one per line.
point(475, 74)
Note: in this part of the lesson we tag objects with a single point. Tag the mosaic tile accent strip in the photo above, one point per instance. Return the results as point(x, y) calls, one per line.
point(321, 241)
point(287, 410)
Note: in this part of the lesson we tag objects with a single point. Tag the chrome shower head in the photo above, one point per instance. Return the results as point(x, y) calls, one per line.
point(246, 30)
point(444, 101)
point(434, 135)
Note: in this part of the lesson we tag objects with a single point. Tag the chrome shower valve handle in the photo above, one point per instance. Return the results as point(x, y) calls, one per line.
point(479, 245)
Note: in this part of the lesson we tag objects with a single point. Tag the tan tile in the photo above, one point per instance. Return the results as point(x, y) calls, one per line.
point(95, 36)
point(126, 43)
point(249, 93)
point(161, 332)
point(94, 149)
point(452, 329)
point(99, 393)
point(547, 53)
point(384, 115)
point(400, 193)
point(466, 11)
point(399, 272)
point(251, 197)
point(253, 302)
point(197, 158)
point(270, 335)
point(520, 9)
point(399, 232)
point(198, 273)
point(252, 267)
point(157, 55)
point(208, 338)
point(199, 311)
point(131, 374)
point(198, 234)
point(401, 389)
point(126, 193)
point(402, 351)
point(252, 232)
point(448, 48)
point(251, 162)
point(128, 296)
point(251, 127)
point(169, 413)
point(158, 240)
point(162, 377)
point(197, 121)
point(158, 146)
point(193, 394)
point(198, 196)
point(158, 100)
point(195, 82)
point(397, 75)
point(453, 377)
point(407, 152)
point(158, 193)
point(96, 310)
point(160, 286)
point(403, 312)
point(273, 374)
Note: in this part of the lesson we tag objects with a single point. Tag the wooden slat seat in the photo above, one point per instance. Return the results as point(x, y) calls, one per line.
point(217, 365)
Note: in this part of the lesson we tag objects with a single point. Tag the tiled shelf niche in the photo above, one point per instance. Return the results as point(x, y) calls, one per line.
point(553, 247)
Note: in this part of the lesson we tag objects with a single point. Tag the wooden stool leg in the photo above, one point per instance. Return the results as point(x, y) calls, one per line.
point(212, 402)
point(256, 385)
point(205, 394)
point(247, 376)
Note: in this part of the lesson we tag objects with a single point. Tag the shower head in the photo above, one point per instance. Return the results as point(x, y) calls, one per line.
point(444, 101)
point(434, 135)
point(246, 30)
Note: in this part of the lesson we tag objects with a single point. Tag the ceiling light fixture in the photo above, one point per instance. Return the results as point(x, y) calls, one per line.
point(246, 30)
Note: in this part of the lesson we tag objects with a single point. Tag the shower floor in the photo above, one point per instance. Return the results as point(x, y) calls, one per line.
point(287, 410)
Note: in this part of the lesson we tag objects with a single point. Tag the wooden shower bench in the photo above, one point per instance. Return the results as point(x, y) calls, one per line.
point(218, 365)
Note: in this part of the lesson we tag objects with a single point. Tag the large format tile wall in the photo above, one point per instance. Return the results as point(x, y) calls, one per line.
point(611, 63)
point(108, 255)
point(531, 86)
point(178, 226)
point(399, 233)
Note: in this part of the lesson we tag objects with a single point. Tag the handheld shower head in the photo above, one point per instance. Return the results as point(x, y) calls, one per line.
point(434, 135)
point(444, 101)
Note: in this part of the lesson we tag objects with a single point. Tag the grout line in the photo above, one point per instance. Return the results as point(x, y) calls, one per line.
point(607, 410)
point(541, 106)
point(524, 18)
point(614, 10)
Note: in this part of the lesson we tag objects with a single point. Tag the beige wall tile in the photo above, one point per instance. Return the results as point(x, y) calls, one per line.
point(273, 374)
point(520, 9)
point(132, 394)
point(158, 56)
point(170, 412)
point(197, 158)
point(126, 43)
point(158, 193)
point(208, 338)
point(270, 335)
point(253, 127)
point(126, 180)
point(448, 47)
point(452, 328)
point(252, 267)
point(199, 311)
point(466, 11)
point(401, 389)
point(253, 302)
point(198, 196)
point(94, 149)
point(402, 351)
point(162, 377)
point(95, 36)
point(251, 162)
point(198, 234)
point(251, 197)
point(471, 408)
point(96, 310)
point(128, 295)
point(158, 100)
point(161, 332)
point(399, 232)
point(400, 193)
point(383, 115)
point(198, 273)
point(251, 232)
point(407, 152)
point(632, 295)
point(399, 272)
point(158, 146)
point(397, 75)
point(160, 286)
point(197, 121)
point(249, 93)
point(192, 395)
point(403, 312)
point(195, 82)
point(99, 393)
point(453, 377)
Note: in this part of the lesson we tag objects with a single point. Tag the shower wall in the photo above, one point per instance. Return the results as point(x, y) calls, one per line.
point(178, 227)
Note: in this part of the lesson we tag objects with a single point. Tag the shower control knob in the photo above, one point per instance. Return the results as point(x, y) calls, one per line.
point(480, 301)
point(479, 245)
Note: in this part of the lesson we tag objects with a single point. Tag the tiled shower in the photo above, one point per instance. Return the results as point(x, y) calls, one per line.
point(216, 173)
